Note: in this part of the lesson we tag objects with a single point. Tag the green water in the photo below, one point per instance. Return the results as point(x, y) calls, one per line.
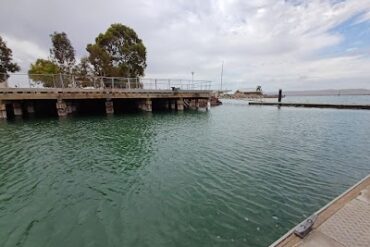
point(235, 176)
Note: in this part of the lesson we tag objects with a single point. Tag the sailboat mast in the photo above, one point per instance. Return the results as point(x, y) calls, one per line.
point(222, 73)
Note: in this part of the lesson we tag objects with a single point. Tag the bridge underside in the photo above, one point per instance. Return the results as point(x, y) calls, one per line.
point(63, 102)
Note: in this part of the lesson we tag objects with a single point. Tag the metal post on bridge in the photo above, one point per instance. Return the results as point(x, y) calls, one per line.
point(54, 81)
point(102, 82)
point(73, 81)
point(61, 79)
point(155, 84)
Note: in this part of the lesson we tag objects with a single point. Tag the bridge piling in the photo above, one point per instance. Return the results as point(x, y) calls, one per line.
point(180, 104)
point(173, 105)
point(109, 107)
point(61, 108)
point(3, 113)
point(145, 105)
point(17, 109)
point(208, 107)
point(196, 104)
point(30, 108)
point(69, 108)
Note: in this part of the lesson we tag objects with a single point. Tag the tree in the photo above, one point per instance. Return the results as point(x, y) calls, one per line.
point(84, 68)
point(118, 52)
point(6, 64)
point(84, 73)
point(62, 52)
point(44, 72)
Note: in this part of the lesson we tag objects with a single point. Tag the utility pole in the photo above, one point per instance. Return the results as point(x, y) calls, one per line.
point(222, 73)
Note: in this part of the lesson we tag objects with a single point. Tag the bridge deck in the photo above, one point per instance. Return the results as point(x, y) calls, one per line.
point(74, 93)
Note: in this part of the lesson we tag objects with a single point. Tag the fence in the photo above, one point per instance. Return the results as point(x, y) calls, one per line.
point(98, 82)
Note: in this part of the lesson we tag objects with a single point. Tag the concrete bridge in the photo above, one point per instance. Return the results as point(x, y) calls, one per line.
point(27, 95)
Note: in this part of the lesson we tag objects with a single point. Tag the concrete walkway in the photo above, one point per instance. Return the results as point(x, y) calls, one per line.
point(345, 222)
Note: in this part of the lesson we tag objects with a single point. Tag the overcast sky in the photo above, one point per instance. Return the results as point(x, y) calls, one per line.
point(291, 44)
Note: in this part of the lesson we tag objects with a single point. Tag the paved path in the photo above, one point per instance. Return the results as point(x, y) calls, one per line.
point(344, 222)
point(349, 227)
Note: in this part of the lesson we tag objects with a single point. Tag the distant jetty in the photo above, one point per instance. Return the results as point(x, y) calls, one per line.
point(311, 105)
point(256, 93)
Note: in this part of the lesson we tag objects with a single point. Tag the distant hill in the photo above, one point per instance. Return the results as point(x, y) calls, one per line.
point(328, 92)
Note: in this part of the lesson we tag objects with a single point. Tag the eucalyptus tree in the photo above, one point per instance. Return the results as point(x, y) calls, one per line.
point(62, 52)
point(6, 61)
point(118, 52)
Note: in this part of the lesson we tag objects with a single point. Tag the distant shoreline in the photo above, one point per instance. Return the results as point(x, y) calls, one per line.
point(329, 92)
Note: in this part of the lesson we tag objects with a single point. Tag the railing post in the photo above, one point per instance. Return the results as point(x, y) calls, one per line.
point(73, 81)
point(155, 83)
point(129, 83)
point(61, 79)
point(102, 83)
point(6, 80)
point(169, 83)
point(136, 84)
point(54, 81)
point(112, 82)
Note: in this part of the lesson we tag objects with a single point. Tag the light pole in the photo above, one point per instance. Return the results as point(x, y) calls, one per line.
point(222, 73)
point(192, 77)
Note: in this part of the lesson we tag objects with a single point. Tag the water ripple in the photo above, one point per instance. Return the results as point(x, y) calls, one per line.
point(237, 175)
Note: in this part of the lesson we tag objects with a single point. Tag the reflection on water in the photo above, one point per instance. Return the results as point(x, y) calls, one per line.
point(237, 175)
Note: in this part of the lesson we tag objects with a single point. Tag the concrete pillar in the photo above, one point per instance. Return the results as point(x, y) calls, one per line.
point(30, 108)
point(61, 108)
point(165, 105)
point(17, 109)
point(173, 104)
point(69, 107)
point(180, 104)
point(74, 108)
point(3, 114)
point(196, 104)
point(146, 105)
point(109, 108)
point(208, 107)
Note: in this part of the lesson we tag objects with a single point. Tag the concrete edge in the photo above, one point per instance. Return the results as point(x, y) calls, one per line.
point(289, 239)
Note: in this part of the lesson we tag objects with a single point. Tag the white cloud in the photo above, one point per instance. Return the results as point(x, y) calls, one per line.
point(24, 52)
point(268, 42)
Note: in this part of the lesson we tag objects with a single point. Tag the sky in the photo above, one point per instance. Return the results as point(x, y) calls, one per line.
point(288, 44)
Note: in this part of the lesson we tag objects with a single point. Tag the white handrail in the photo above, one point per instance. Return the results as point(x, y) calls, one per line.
point(23, 80)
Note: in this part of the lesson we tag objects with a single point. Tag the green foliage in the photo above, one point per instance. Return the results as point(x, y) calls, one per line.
point(6, 57)
point(118, 52)
point(43, 71)
point(84, 73)
point(62, 52)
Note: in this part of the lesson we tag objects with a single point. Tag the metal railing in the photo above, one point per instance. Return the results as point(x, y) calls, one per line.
point(98, 82)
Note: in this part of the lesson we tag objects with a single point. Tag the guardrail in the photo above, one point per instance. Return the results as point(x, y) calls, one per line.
point(98, 82)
